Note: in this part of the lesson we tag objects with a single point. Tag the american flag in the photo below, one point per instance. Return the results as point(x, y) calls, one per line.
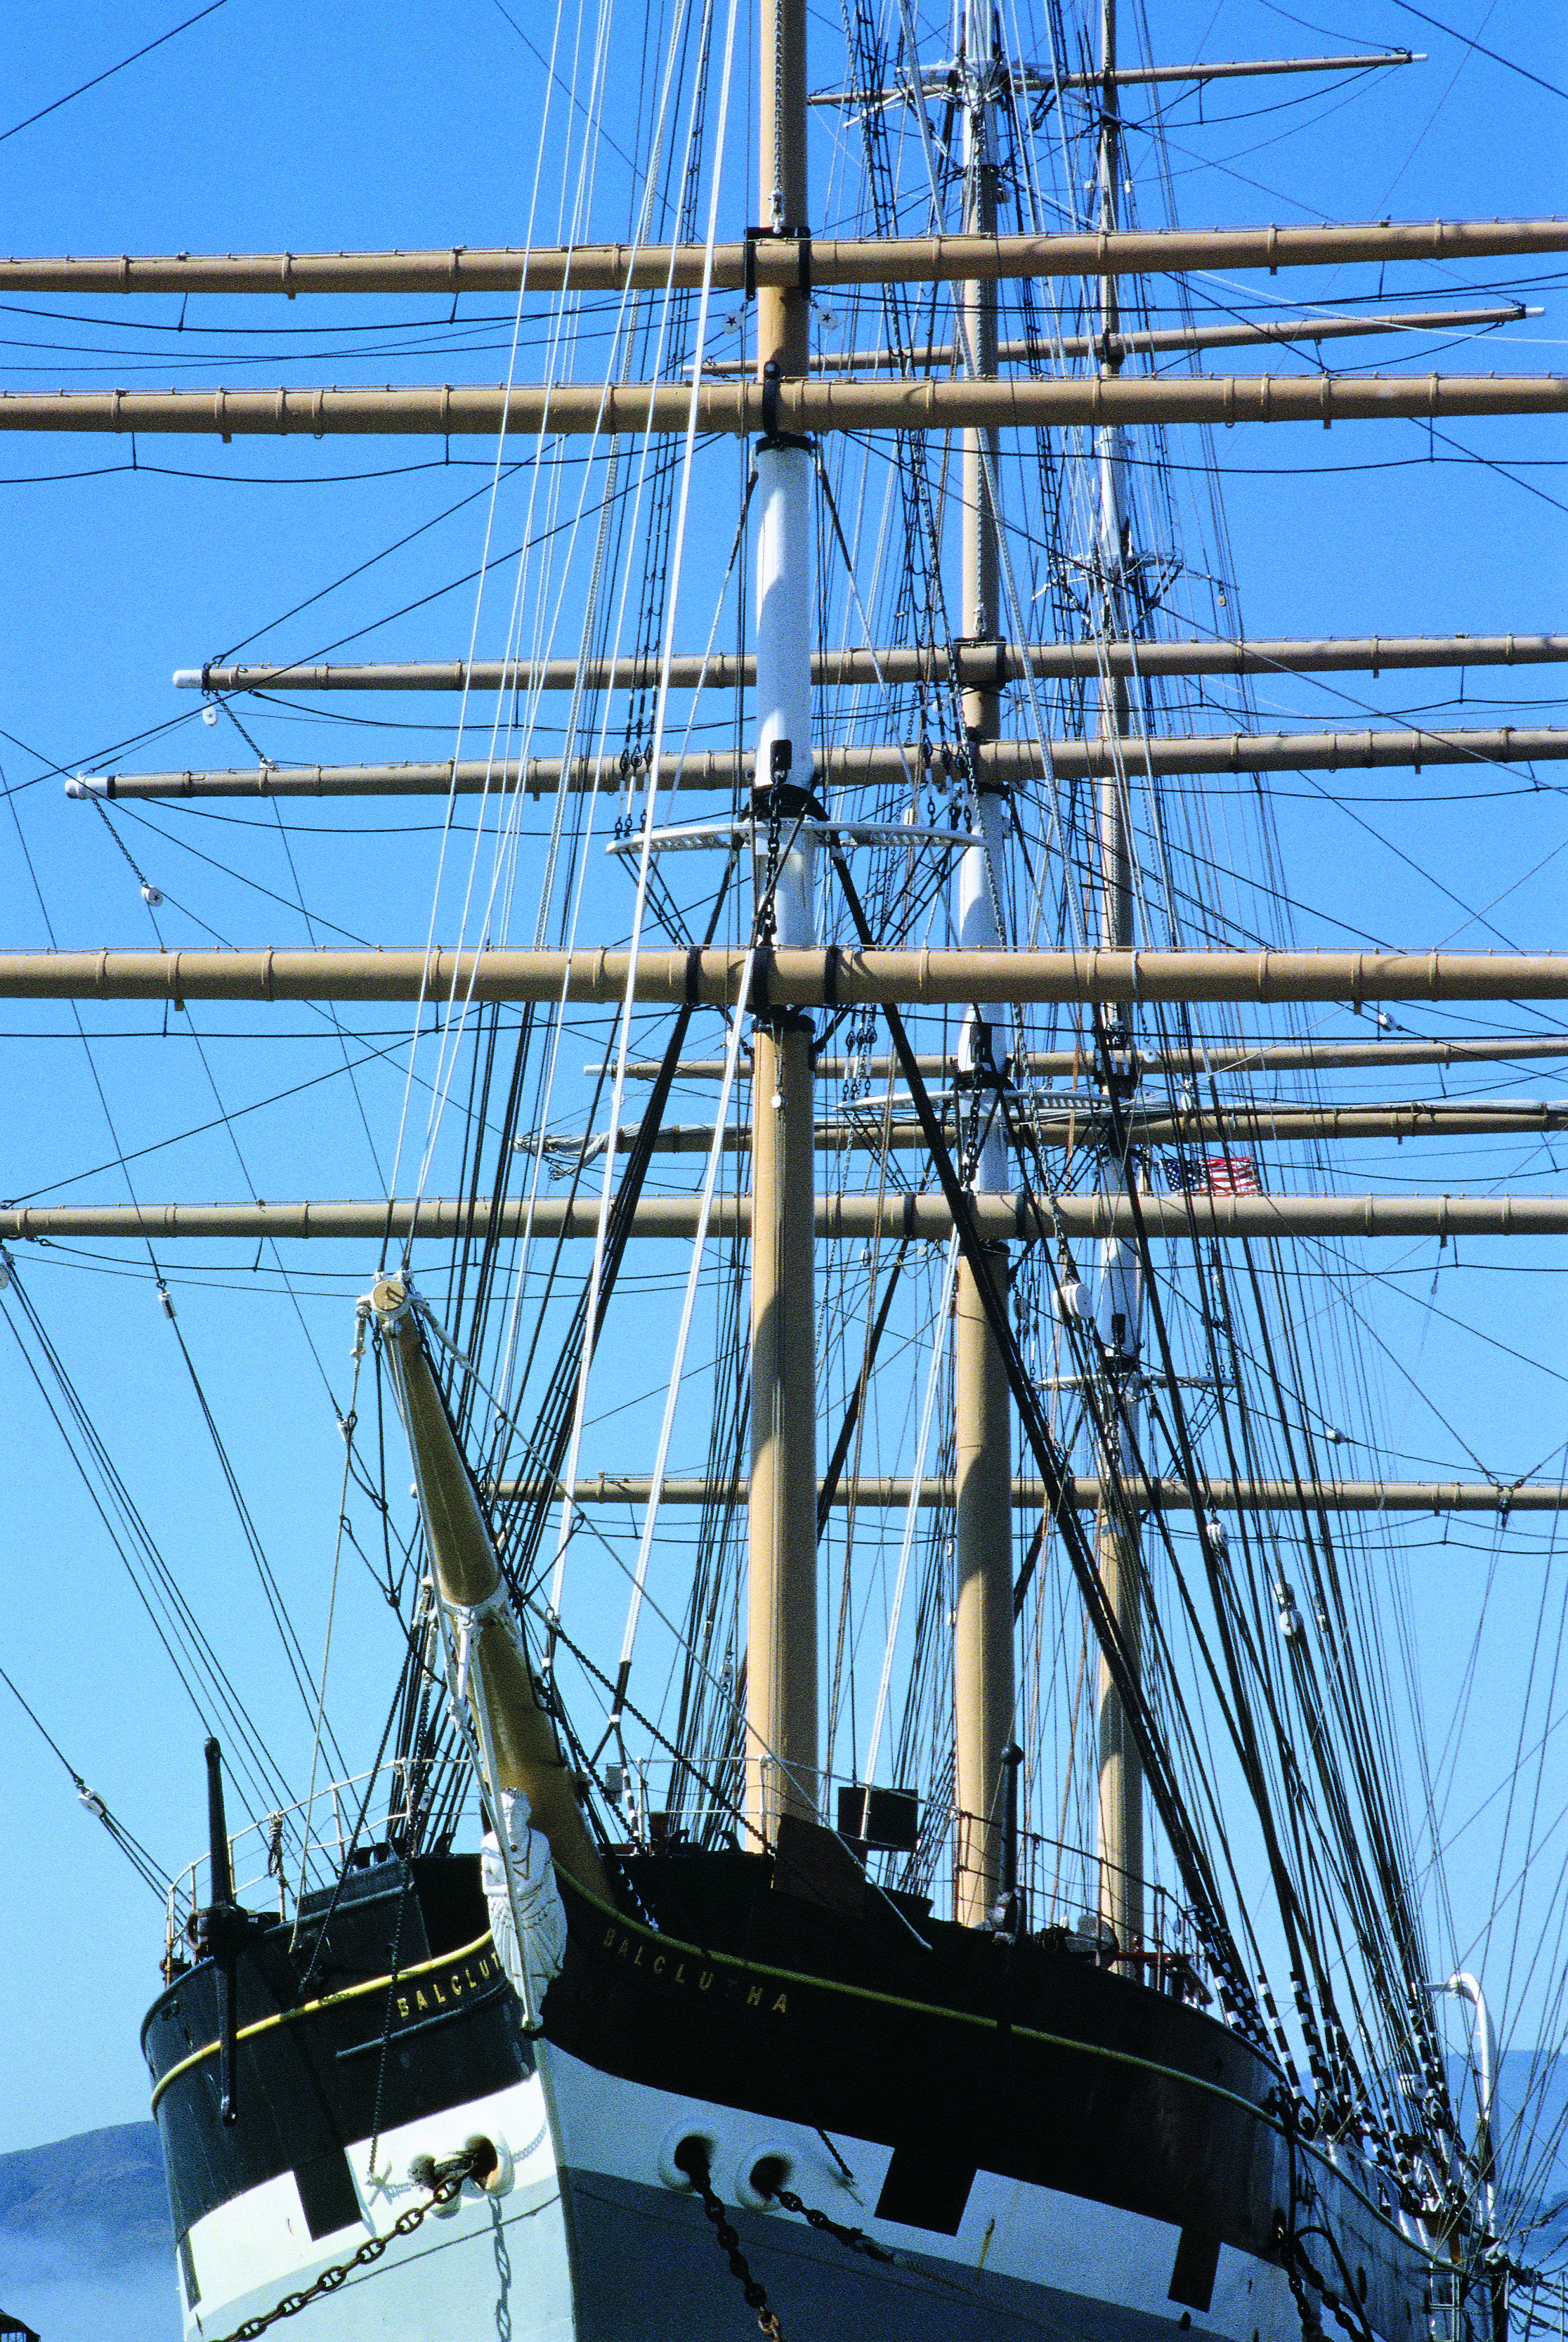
point(1212, 1175)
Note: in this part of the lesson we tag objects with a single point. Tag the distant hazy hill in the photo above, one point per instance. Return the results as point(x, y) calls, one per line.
point(103, 2190)
point(85, 2246)
point(1533, 2154)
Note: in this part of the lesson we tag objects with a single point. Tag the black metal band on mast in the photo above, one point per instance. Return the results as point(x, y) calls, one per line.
point(1191, 1858)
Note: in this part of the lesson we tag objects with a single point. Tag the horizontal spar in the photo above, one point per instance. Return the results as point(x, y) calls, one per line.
point(1420, 1118)
point(1005, 762)
point(1054, 1124)
point(1036, 81)
point(1229, 69)
point(978, 663)
point(740, 409)
point(778, 260)
point(1206, 1058)
point(804, 976)
point(1115, 347)
point(889, 1492)
point(838, 1217)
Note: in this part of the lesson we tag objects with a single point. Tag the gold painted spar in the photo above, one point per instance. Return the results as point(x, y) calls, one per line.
point(794, 405)
point(467, 1574)
point(776, 261)
point(796, 976)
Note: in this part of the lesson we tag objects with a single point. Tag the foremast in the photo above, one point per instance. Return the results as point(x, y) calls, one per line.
point(983, 1686)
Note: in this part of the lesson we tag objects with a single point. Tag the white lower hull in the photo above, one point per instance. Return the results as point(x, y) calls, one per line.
point(597, 2237)
point(490, 2265)
point(1025, 2260)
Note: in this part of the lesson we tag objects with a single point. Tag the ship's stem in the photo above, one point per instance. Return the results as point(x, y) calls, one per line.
point(983, 1423)
point(1121, 1810)
point(781, 1662)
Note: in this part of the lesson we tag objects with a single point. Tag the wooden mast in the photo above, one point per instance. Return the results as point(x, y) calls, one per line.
point(1121, 1783)
point(781, 1642)
point(983, 1417)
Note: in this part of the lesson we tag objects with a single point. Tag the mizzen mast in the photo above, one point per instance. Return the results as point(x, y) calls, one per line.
point(780, 1742)
point(982, 1419)
point(1121, 1783)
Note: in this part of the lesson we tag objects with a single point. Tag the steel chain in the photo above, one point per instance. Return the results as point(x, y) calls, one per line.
point(1312, 2324)
point(371, 2250)
point(695, 2167)
point(768, 924)
point(1301, 2273)
point(856, 2238)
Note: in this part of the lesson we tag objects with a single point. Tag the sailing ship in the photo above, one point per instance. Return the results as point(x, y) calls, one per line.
point(750, 2008)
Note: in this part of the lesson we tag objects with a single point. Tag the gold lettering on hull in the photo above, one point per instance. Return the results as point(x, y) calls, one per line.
point(459, 1984)
point(679, 1975)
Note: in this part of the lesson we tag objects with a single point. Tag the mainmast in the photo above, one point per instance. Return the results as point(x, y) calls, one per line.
point(781, 1643)
point(983, 1424)
point(1120, 1783)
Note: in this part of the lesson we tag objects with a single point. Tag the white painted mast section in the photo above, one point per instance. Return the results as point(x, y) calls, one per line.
point(782, 501)
point(782, 1724)
point(1119, 1300)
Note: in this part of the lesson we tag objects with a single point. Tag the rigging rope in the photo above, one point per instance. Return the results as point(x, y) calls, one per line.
point(136, 1852)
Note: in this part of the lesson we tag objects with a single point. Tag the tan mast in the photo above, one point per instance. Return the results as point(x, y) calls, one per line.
point(1121, 1781)
point(781, 1604)
point(983, 1420)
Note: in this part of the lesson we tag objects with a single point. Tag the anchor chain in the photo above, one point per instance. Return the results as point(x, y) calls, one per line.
point(1301, 2274)
point(856, 2238)
point(442, 2191)
point(1312, 2324)
point(692, 2157)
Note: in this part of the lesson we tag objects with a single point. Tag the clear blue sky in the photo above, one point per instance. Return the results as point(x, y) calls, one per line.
point(303, 128)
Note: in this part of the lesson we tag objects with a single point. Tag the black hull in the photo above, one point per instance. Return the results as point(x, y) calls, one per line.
point(963, 2061)
point(330, 2045)
point(965, 2054)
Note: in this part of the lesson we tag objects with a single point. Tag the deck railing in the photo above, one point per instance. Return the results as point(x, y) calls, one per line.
point(301, 1848)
